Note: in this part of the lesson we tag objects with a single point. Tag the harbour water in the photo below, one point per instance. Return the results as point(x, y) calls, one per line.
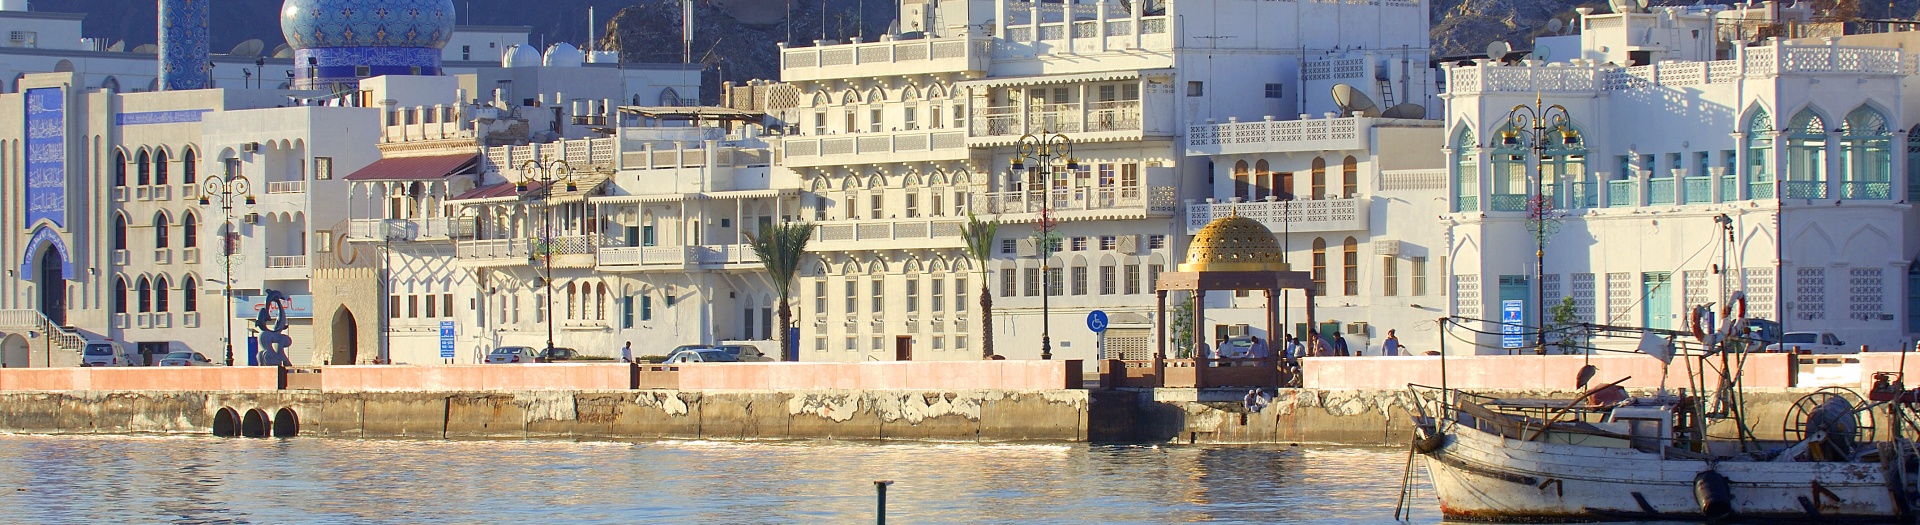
point(135, 479)
point(203, 480)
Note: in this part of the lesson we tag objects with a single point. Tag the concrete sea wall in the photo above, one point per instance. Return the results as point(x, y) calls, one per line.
point(956, 415)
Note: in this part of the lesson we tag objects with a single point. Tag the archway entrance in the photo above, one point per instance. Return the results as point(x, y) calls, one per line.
point(14, 352)
point(53, 288)
point(346, 338)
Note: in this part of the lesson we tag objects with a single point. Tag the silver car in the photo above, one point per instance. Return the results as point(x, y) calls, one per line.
point(512, 354)
point(185, 359)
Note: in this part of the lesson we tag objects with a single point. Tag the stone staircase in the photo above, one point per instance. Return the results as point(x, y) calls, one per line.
point(62, 345)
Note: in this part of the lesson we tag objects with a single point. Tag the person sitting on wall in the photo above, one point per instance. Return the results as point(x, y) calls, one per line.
point(1257, 400)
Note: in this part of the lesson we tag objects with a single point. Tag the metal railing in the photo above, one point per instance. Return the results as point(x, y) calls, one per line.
point(1866, 190)
point(286, 261)
point(287, 186)
point(1508, 202)
point(1660, 191)
point(1803, 189)
point(1698, 189)
point(1620, 194)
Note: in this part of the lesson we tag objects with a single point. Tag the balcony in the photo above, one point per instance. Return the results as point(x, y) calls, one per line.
point(1082, 203)
point(1002, 125)
point(286, 261)
point(1278, 136)
point(726, 254)
point(1620, 194)
point(567, 251)
point(1300, 216)
point(905, 146)
point(1756, 62)
point(1660, 191)
point(899, 234)
point(968, 54)
point(1803, 189)
point(1866, 190)
point(281, 187)
point(409, 229)
point(645, 257)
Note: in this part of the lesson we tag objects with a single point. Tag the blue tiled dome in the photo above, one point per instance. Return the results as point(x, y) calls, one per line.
point(316, 24)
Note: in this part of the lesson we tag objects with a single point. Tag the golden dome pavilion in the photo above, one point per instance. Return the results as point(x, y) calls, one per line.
point(1234, 244)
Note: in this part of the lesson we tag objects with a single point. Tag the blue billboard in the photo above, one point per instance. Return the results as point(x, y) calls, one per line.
point(46, 157)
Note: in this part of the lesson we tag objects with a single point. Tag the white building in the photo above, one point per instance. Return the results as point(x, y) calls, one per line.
point(1791, 144)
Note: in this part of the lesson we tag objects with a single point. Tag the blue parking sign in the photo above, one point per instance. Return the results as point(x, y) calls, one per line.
point(1513, 318)
point(446, 339)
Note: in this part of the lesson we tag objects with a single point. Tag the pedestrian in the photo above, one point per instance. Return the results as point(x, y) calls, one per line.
point(1320, 346)
point(1294, 349)
point(1259, 349)
point(1340, 345)
point(626, 353)
point(1203, 352)
point(1392, 346)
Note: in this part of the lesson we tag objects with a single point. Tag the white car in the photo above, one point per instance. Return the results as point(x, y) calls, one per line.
point(108, 353)
point(185, 359)
point(1810, 342)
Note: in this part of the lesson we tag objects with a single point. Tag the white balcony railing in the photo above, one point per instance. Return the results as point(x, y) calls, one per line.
point(891, 230)
point(1754, 62)
point(1325, 215)
point(898, 57)
point(1278, 136)
point(814, 151)
point(286, 186)
point(409, 229)
point(280, 262)
point(1155, 200)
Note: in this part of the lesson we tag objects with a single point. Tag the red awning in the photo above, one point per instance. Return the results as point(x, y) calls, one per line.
point(418, 168)
point(504, 189)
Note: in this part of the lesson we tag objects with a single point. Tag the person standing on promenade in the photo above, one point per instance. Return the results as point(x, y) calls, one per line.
point(1258, 350)
point(1392, 346)
point(1340, 345)
point(626, 353)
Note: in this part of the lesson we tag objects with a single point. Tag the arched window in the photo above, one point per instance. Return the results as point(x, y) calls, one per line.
point(1759, 178)
point(189, 295)
point(119, 295)
point(1867, 144)
point(1262, 180)
point(1350, 266)
point(1319, 179)
point(1349, 177)
point(1806, 173)
point(189, 230)
point(1509, 191)
point(573, 298)
point(119, 168)
point(1565, 161)
point(1466, 164)
point(160, 297)
point(119, 232)
point(1319, 266)
point(160, 167)
point(160, 227)
point(600, 303)
point(189, 167)
point(1241, 186)
point(143, 161)
point(144, 294)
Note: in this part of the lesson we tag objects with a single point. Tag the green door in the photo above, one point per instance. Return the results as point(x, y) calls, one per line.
point(1657, 298)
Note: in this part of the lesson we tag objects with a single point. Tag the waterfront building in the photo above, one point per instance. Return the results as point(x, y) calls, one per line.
point(1695, 160)
point(896, 140)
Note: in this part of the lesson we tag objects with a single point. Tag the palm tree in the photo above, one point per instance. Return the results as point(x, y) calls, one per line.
point(980, 236)
point(781, 248)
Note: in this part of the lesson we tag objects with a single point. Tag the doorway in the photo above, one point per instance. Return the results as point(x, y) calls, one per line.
point(53, 288)
point(903, 348)
point(14, 352)
point(1658, 296)
point(346, 338)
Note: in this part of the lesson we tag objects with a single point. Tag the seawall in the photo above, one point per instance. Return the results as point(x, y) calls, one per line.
point(955, 415)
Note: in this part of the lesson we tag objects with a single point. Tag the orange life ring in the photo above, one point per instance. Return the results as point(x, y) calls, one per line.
point(1699, 333)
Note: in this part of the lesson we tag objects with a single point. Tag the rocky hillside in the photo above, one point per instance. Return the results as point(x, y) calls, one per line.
point(736, 38)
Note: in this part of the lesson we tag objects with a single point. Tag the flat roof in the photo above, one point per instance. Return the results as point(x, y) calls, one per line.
point(43, 15)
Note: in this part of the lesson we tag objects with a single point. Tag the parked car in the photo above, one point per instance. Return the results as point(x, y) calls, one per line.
point(745, 353)
point(513, 354)
point(556, 354)
point(185, 359)
point(702, 355)
point(1810, 342)
point(1763, 330)
point(108, 353)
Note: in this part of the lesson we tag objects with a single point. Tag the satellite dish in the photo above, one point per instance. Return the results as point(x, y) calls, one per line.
point(282, 51)
point(1497, 50)
point(1352, 102)
point(1541, 52)
point(1407, 110)
point(147, 48)
point(1554, 25)
point(248, 49)
point(1642, 4)
point(1625, 6)
point(118, 46)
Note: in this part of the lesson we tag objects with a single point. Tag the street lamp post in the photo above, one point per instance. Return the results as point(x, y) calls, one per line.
point(1528, 125)
point(546, 173)
point(227, 188)
point(1044, 149)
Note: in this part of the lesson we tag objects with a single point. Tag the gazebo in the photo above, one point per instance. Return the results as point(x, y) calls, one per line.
point(1230, 253)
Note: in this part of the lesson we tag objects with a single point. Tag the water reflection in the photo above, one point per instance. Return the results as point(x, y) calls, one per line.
point(92, 479)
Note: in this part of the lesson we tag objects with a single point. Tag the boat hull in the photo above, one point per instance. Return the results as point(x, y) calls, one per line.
point(1481, 476)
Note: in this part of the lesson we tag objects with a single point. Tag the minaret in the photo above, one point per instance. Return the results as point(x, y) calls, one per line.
point(183, 45)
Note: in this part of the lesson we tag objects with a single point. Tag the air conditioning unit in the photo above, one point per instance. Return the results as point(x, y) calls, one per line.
point(250, 147)
point(1357, 328)
point(1386, 248)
